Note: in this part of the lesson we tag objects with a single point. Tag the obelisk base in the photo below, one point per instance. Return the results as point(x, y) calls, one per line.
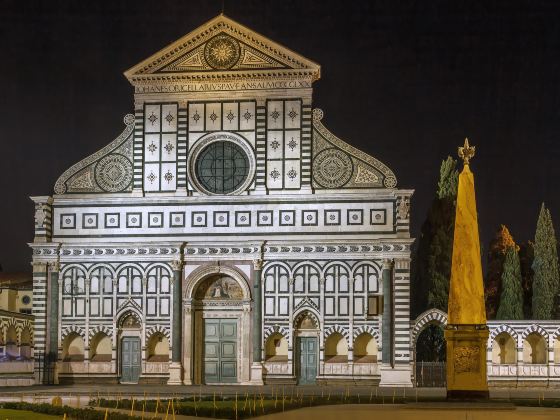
point(466, 362)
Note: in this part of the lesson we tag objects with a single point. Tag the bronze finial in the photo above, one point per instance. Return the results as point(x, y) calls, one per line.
point(466, 152)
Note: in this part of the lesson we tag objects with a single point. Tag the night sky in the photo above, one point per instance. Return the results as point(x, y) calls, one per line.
point(405, 81)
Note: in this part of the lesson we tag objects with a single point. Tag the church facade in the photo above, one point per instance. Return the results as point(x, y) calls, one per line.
point(226, 235)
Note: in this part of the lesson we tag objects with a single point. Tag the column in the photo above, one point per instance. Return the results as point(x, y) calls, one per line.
point(54, 268)
point(257, 312)
point(175, 368)
point(387, 334)
point(256, 366)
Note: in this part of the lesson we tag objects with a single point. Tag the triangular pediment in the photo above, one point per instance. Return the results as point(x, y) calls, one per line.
point(224, 48)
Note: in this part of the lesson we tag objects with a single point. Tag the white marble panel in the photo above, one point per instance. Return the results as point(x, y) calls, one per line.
point(168, 176)
point(283, 305)
point(151, 306)
point(247, 116)
point(329, 305)
point(94, 306)
point(275, 114)
point(107, 306)
point(169, 147)
point(343, 306)
point(213, 117)
point(269, 306)
point(292, 144)
point(152, 119)
point(292, 174)
point(67, 307)
point(169, 117)
point(275, 173)
point(164, 306)
point(80, 306)
point(292, 117)
point(196, 117)
point(274, 144)
point(151, 177)
point(230, 117)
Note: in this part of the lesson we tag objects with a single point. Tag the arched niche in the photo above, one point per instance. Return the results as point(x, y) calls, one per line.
point(73, 348)
point(534, 349)
point(101, 348)
point(157, 348)
point(25, 343)
point(365, 349)
point(276, 348)
point(12, 349)
point(336, 349)
point(503, 350)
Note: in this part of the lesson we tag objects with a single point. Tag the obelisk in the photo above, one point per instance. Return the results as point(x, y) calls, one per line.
point(466, 332)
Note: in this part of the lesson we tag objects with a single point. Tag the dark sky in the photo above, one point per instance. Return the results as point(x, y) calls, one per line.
point(405, 81)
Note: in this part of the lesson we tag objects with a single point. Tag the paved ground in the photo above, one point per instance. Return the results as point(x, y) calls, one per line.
point(367, 412)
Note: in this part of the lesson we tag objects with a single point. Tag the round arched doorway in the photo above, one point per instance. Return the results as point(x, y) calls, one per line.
point(217, 324)
point(429, 349)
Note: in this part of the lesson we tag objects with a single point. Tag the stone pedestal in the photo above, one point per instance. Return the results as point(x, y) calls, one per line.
point(256, 374)
point(397, 376)
point(175, 374)
point(466, 361)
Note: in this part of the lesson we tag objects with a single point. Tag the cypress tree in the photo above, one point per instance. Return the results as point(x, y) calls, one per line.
point(432, 259)
point(499, 245)
point(511, 298)
point(545, 267)
point(526, 255)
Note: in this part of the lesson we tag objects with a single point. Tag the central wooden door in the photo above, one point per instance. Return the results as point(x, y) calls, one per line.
point(130, 359)
point(220, 351)
point(307, 360)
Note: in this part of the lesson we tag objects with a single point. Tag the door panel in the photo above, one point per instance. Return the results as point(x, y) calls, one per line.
point(307, 369)
point(130, 359)
point(220, 350)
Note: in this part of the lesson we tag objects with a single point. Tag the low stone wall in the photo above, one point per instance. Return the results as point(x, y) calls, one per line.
point(17, 373)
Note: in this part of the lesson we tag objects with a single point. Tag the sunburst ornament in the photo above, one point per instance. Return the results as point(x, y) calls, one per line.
point(222, 52)
point(466, 152)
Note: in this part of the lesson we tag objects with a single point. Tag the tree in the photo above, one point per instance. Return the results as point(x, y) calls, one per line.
point(432, 259)
point(545, 267)
point(526, 256)
point(499, 245)
point(511, 297)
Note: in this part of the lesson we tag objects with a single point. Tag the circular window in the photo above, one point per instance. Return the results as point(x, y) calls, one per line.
point(222, 167)
point(26, 300)
point(222, 163)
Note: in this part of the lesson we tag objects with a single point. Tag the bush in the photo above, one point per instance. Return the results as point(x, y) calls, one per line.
point(72, 413)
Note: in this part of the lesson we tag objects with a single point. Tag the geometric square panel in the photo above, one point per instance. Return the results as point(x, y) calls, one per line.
point(134, 220)
point(332, 217)
point(287, 217)
point(377, 217)
point(198, 219)
point(221, 218)
point(155, 219)
point(112, 220)
point(355, 217)
point(309, 217)
point(242, 218)
point(89, 221)
point(177, 219)
point(68, 221)
point(264, 218)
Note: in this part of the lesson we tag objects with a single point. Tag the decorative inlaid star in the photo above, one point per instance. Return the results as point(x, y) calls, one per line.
point(169, 147)
point(230, 116)
point(292, 144)
point(152, 147)
point(151, 177)
point(213, 117)
point(168, 176)
point(152, 118)
point(169, 118)
point(292, 114)
point(247, 115)
point(196, 116)
point(222, 52)
point(274, 144)
point(274, 174)
point(275, 114)
point(292, 173)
